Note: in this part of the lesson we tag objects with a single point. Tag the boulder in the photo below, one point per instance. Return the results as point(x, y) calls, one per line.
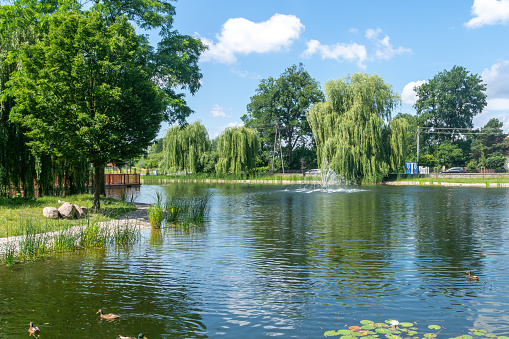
point(68, 211)
point(85, 210)
point(50, 212)
point(80, 211)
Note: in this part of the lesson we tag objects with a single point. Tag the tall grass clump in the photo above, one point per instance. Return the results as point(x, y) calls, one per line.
point(33, 244)
point(188, 210)
point(155, 212)
point(124, 233)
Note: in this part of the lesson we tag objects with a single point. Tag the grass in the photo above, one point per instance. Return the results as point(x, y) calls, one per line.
point(187, 210)
point(487, 181)
point(201, 177)
point(14, 212)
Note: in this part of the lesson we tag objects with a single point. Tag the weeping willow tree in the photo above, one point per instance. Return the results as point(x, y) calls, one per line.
point(237, 148)
point(353, 128)
point(183, 148)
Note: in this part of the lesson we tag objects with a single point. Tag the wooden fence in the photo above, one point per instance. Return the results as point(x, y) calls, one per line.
point(122, 179)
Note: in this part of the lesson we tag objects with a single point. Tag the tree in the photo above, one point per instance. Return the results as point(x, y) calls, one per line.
point(487, 149)
point(353, 130)
point(85, 90)
point(450, 100)
point(450, 155)
point(183, 148)
point(237, 148)
point(284, 101)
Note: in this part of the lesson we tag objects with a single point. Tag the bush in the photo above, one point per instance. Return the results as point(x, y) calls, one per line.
point(427, 160)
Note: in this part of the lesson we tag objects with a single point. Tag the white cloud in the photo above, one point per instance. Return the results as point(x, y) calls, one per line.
point(241, 36)
point(354, 52)
point(373, 33)
point(489, 12)
point(497, 80)
point(218, 111)
point(338, 52)
point(408, 96)
point(384, 50)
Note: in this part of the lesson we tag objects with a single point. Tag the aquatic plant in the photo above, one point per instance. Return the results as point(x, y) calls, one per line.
point(187, 210)
point(394, 329)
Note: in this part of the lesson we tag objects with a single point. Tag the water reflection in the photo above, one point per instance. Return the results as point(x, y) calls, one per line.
point(290, 262)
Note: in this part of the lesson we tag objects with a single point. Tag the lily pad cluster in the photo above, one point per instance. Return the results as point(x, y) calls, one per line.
point(393, 329)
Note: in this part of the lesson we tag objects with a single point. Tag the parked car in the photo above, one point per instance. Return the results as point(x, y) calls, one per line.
point(455, 170)
point(314, 172)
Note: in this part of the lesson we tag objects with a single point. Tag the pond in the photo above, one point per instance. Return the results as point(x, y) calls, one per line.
point(287, 261)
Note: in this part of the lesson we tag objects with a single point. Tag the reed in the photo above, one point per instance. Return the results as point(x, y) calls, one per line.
point(124, 234)
point(187, 210)
point(155, 212)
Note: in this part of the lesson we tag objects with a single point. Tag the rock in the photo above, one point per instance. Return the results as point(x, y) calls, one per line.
point(50, 212)
point(85, 210)
point(68, 211)
point(80, 211)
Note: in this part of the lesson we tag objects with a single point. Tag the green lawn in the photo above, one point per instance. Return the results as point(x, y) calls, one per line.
point(17, 213)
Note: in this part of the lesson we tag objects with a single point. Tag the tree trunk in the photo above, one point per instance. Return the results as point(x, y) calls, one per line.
point(102, 182)
point(97, 187)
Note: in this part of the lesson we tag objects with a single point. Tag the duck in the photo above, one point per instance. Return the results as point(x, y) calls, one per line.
point(472, 277)
point(33, 329)
point(140, 336)
point(109, 316)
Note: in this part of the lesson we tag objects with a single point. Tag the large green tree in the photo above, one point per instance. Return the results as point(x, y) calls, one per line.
point(86, 90)
point(353, 129)
point(237, 149)
point(488, 147)
point(183, 148)
point(450, 100)
point(285, 101)
point(173, 66)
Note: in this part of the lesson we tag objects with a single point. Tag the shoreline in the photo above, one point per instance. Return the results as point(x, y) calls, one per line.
point(138, 217)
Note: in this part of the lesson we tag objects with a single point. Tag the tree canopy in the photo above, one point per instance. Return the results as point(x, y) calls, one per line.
point(237, 149)
point(284, 100)
point(450, 100)
point(87, 84)
point(353, 128)
point(183, 148)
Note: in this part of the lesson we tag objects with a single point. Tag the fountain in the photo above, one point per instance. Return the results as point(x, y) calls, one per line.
point(328, 178)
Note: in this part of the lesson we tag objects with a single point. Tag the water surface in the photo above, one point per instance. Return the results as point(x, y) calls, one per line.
point(287, 261)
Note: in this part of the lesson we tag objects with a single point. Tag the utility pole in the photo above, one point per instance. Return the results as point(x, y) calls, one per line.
point(278, 132)
point(418, 145)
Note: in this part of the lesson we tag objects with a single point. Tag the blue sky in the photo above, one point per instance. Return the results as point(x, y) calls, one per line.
point(404, 42)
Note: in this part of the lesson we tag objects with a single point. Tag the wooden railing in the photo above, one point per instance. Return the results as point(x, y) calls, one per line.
point(122, 179)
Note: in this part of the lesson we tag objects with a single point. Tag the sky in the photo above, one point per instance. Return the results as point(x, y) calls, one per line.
point(404, 42)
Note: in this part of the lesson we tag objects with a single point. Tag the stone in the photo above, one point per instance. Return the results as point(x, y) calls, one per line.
point(50, 212)
point(80, 211)
point(68, 211)
point(85, 210)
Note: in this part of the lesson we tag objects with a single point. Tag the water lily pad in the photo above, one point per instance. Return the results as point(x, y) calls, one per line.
point(406, 324)
point(434, 327)
point(490, 335)
point(331, 333)
point(347, 337)
point(384, 330)
point(381, 325)
point(344, 332)
point(368, 327)
point(502, 337)
point(367, 322)
point(393, 336)
point(467, 336)
point(430, 335)
point(479, 334)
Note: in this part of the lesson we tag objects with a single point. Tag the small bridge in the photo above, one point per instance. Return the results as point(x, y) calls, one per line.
point(122, 179)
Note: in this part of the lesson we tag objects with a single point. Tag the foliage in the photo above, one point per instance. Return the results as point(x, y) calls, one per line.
point(353, 130)
point(63, 56)
point(237, 148)
point(487, 149)
point(284, 100)
point(183, 148)
point(427, 160)
point(187, 210)
point(410, 136)
point(450, 155)
point(450, 100)
point(394, 329)
point(153, 157)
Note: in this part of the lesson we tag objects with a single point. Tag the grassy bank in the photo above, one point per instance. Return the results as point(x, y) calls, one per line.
point(16, 212)
point(204, 177)
point(479, 180)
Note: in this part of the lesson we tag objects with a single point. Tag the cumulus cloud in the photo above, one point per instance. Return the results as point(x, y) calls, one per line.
point(217, 131)
point(384, 50)
point(497, 80)
point(218, 111)
point(241, 36)
point(352, 52)
point(489, 12)
point(408, 96)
